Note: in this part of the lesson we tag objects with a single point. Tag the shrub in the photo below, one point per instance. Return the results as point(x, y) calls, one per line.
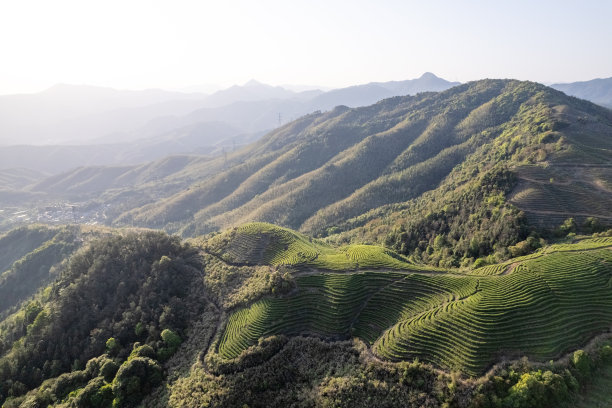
point(479, 262)
point(108, 370)
point(536, 389)
point(135, 379)
point(582, 363)
point(112, 346)
point(142, 351)
point(96, 394)
point(171, 342)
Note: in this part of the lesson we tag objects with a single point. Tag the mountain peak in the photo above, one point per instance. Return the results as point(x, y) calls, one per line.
point(253, 82)
point(428, 75)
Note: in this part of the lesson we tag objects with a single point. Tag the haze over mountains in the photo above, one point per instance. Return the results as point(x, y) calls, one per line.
point(597, 90)
point(65, 113)
point(91, 126)
point(146, 125)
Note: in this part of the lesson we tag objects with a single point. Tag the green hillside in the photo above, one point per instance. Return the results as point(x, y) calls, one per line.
point(324, 169)
point(541, 306)
point(265, 316)
point(268, 244)
point(325, 172)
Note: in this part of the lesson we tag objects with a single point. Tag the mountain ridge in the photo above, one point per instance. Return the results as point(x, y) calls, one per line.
point(251, 110)
point(413, 151)
point(597, 90)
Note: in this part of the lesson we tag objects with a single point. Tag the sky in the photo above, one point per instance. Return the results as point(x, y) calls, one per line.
point(138, 44)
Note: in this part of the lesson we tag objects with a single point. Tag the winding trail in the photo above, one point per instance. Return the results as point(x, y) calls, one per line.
point(567, 214)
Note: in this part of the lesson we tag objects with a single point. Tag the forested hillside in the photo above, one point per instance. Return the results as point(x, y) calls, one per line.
point(116, 290)
point(325, 168)
point(265, 316)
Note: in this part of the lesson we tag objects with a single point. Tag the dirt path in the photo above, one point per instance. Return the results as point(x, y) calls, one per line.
point(510, 268)
point(558, 183)
point(314, 271)
point(579, 178)
point(568, 214)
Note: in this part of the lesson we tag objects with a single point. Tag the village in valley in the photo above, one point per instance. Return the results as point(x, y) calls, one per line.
point(54, 213)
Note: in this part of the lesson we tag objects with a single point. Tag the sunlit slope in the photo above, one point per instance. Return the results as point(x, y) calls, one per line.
point(318, 172)
point(28, 256)
point(553, 193)
point(340, 305)
point(323, 169)
point(541, 307)
point(261, 243)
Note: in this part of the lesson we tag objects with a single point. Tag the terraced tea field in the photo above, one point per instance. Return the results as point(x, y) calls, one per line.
point(542, 309)
point(549, 195)
point(580, 244)
point(261, 243)
point(546, 305)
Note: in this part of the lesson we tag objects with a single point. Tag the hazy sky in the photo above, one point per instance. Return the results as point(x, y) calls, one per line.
point(174, 44)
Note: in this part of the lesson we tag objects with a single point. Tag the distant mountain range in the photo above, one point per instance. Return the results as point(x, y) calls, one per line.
point(71, 124)
point(73, 113)
point(363, 95)
point(598, 90)
point(90, 126)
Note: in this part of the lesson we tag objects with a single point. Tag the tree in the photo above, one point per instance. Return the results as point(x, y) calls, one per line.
point(171, 341)
point(568, 226)
point(112, 346)
point(134, 380)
